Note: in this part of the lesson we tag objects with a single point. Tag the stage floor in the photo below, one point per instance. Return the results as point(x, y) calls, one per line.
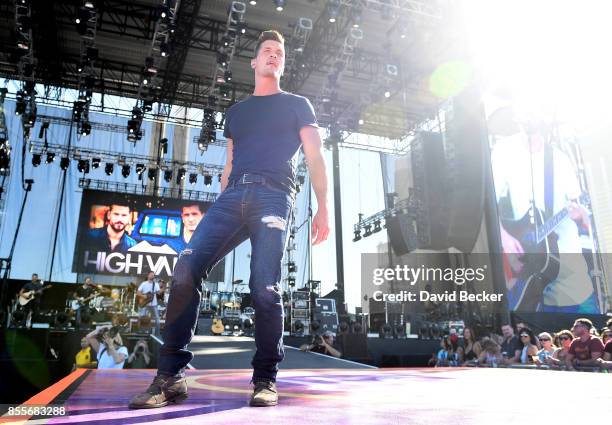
point(343, 396)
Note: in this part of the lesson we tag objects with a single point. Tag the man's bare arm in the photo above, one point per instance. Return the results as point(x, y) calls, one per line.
point(228, 164)
point(311, 144)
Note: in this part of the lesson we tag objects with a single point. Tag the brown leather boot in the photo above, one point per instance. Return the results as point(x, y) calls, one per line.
point(163, 390)
point(264, 394)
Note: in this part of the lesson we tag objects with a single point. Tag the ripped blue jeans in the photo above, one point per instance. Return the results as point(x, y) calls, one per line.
point(248, 208)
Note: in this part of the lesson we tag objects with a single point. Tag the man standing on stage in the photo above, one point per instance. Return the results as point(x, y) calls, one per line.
point(264, 133)
point(31, 291)
point(82, 295)
point(150, 288)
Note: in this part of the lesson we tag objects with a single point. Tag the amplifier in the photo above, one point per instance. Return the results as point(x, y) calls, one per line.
point(325, 305)
point(300, 313)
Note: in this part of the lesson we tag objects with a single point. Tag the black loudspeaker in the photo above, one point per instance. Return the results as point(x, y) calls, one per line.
point(466, 147)
point(402, 233)
point(353, 346)
point(431, 188)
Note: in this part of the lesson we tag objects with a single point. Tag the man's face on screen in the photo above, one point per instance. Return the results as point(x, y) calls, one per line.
point(191, 217)
point(119, 217)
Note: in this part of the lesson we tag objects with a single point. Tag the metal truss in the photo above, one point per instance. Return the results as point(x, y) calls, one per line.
point(406, 206)
point(124, 158)
point(113, 128)
point(137, 189)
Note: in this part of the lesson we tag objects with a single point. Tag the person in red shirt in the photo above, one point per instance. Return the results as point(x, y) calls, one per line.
point(585, 349)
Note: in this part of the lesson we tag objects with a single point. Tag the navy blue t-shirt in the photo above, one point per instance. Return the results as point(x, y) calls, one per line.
point(265, 131)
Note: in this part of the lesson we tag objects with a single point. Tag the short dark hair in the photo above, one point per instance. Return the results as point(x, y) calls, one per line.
point(585, 322)
point(268, 35)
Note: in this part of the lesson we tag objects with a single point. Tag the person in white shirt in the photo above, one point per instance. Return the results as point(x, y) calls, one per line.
point(150, 288)
point(107, 342)
point(518, 163)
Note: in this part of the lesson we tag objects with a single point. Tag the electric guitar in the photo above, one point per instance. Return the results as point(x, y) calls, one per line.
point(26, 297)
point(538, 239)
point(80, 302)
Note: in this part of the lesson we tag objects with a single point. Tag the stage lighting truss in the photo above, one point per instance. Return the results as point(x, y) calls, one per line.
point(86, 23)
point(26, 96)
point(374, 223)
point(296, 43)
point(159, 49)
point(140, 163)
point(221, 87)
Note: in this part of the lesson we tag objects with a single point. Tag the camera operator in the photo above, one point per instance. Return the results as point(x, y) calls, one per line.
point(108, 344)
point(140, 357)
point(323, 344)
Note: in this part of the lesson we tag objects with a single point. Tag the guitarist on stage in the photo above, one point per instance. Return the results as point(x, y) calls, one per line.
point(536, 181)
point(147, 299)
point(83, 294)
point(32, 291)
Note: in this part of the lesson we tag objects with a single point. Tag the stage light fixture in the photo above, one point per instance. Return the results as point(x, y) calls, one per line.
point(95, 163)
point(387, 94)
point(360, 121)
point(140, 168)
point(83, 166)
point(280, 5)
point(291, 267)
point(227, 76)
point(108, 168)
point(163, 49)
point(357, 17)
point(36, 160)
point(357, 236)
point(50, 157)
point(85, 128)
point(377, 227)
point(291, 281)
point(207, 180)
point(152, 174)
point(180, 175)
point(64, 163)
point(20, 102)
point(168, 175)
point(150, 65)
point(125, 171)
point(193, 178)
point(253, 2)
point(386, 331)
point(333, 7)
point(367, 230)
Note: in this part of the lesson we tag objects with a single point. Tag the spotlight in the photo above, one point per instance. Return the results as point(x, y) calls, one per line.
point(280, 5)
point(150, 65)
point(193, 178)
point(207, 180)
point(291, 281)
point(20, 106)
point(227, 75)
point(357, 18)
point(64, 163)
point(83, 166)
point(50, 157)
point(180, 175)
point(367, 230)
point(377, 227)
point(95, 163)
point(357, 236)
point(291, 267)
point(140, 168)
point(333, 7)
point(361, 122)
point(108, 168)
point(85, 128)
point(125, 171)
point(36, 159)
point(386, 331)
point(163, 49)
point(253, 2)
point(168, 175)
point(387, 94)
point(152, 174)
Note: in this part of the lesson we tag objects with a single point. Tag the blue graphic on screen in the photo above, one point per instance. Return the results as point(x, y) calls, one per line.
point(160, 225)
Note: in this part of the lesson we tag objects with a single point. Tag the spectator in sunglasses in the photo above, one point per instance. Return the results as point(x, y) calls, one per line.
point(527, 345)
point(547, 350)
point(563, 340)
point(585, 349)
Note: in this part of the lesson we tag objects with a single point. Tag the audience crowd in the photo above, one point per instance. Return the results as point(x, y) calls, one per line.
point(582, 347)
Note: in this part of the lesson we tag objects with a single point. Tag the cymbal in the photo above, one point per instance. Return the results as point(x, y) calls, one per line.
point(231, 305)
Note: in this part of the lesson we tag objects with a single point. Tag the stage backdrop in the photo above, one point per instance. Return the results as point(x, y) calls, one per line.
point(130, 235)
